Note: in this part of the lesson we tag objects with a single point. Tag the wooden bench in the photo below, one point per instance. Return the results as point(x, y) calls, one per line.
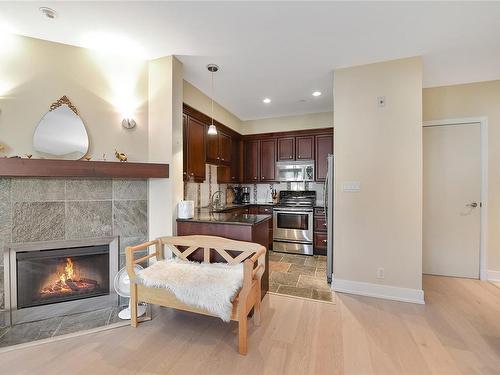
point(233, 252)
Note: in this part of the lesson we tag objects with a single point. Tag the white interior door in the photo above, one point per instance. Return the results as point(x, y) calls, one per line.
point(452, 187)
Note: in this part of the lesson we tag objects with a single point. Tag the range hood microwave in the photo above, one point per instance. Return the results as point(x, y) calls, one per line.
point(295, 170)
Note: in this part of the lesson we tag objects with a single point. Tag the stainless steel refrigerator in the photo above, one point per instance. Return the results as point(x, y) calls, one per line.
point(329, 185)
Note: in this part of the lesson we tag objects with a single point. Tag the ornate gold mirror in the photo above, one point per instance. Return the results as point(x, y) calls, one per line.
point(61, 133)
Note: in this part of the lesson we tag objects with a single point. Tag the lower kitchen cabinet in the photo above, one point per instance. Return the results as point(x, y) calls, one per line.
point(320, 232)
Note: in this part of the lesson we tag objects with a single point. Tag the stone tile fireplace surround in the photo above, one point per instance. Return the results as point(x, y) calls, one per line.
point(57, 209)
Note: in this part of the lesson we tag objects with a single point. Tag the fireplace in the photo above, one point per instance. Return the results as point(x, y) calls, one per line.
point(52, 276)
point(60, 278)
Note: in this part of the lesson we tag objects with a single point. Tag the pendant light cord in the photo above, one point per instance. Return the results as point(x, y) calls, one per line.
point(212, 98)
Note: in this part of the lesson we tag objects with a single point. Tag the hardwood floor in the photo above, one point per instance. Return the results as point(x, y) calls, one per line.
point(456, 332)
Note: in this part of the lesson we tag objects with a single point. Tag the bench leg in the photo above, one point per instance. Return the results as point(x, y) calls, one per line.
point(242, 335)
point(256, 308)
point(133, 305)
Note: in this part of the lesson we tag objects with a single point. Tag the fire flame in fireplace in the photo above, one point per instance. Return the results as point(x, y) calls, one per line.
point(69, 282)
point(68, 271)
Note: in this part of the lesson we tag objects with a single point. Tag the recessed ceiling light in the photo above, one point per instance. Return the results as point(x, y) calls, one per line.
point(317, 93)
point(48, 12)
point(266, 100)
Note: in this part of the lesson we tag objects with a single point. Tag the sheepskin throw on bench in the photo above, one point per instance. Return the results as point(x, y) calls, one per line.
point(209, 286)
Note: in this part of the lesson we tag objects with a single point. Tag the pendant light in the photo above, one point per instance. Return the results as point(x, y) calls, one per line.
point(212, 68)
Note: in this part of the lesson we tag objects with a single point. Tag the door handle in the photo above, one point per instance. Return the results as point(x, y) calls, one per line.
point(472, 205)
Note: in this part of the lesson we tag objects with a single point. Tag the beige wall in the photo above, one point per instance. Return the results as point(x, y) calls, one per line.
point(35, 73)
point(198, 100)
point(380, 226)
point(288, 123)
point(475, 100)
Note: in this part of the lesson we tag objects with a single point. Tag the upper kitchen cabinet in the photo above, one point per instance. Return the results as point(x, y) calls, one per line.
point(231, 174)
point(225, 153)
point(251, 161)
point(218, 148)
point(267, 160)
point(295, 148)
point(194, 150)
point(236, 148)
point(324, 146)
point(286, 148)
point(304, 148)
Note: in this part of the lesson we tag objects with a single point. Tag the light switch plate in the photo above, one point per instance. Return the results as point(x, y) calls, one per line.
point(351, 186)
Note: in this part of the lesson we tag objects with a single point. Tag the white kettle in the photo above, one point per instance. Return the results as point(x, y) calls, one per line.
point(185, 210)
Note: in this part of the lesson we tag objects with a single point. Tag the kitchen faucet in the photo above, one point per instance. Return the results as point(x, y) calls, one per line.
point(215, 203)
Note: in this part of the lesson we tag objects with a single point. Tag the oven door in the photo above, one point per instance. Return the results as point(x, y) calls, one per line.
point(293, 226)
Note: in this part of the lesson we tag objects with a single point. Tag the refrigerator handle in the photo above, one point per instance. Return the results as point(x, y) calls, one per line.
point(325, 194)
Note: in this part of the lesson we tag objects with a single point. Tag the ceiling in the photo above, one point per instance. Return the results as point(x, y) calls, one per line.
point(280, 50)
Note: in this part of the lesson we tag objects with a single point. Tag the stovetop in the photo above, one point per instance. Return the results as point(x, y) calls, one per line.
point(299, 199)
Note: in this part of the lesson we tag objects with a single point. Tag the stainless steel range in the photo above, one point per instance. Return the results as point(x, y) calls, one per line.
point(293, 222)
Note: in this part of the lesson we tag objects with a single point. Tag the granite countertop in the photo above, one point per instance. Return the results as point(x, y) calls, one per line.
point(205, 216)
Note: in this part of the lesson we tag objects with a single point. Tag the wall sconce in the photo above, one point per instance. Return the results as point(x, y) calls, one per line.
point(128, 123)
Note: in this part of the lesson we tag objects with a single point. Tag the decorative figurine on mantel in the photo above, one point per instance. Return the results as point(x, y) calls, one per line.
point(103, 156)
point(87, 157)
point(120, 156)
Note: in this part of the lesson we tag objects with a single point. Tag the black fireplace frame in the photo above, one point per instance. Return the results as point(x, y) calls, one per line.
point(35, 313)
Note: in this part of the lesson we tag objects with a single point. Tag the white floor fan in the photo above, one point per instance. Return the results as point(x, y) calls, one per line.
point(122, 287)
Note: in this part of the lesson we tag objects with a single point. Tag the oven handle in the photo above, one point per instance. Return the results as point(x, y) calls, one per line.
point(288, 211)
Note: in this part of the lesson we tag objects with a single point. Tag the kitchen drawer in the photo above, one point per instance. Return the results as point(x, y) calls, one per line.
point(319, 211)
point(320, 224)
point(320, 243)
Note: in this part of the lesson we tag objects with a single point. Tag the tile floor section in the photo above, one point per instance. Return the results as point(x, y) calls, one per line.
point(27, 332)
point(300, 276)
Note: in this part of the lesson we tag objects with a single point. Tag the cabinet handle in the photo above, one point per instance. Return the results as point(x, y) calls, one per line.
point(324, 241)
point(290, 156)
point(255, 178)
point(324, 224)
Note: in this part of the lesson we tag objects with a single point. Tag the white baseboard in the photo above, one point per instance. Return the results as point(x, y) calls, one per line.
point(493, 275)
point(379, 291)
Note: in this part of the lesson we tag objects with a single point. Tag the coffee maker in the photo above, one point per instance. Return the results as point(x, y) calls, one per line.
point(245, 193)
point(238, 195)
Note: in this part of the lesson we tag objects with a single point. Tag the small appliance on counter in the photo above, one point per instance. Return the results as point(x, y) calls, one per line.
point(185, 210)
point(245, 194)
point(238, 195)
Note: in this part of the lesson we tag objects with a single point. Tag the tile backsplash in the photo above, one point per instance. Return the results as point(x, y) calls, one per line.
point(200, 193)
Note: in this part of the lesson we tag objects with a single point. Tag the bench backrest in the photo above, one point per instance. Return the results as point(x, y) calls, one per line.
point(232, 251)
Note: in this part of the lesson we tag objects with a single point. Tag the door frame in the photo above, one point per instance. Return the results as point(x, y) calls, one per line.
point(483, 233)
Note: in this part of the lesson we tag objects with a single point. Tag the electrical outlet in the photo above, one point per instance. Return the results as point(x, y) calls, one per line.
point(380, 273)
point(381, 101)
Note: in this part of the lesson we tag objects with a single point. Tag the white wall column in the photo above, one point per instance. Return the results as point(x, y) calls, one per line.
point(165, 142)
point(378, 229)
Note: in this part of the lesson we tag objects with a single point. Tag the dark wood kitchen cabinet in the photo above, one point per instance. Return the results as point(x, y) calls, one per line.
point(324, 146)
point(236, 175)
point(304, 148)
point(286, 148)
point(267, 160)
point(251, 161)
point(224, 148)
point(194, 150)
point(231, 174)
point(218, 148)
point(320, 232)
